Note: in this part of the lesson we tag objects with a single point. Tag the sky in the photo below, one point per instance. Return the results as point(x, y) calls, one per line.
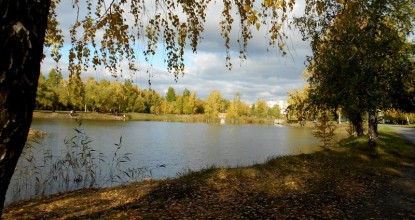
point(262, 76)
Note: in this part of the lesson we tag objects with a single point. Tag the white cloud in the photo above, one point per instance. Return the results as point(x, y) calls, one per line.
point(263, 75)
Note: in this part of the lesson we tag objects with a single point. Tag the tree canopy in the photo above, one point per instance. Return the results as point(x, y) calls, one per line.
point(361, 57)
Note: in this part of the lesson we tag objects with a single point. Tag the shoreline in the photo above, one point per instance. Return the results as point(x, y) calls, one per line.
point(350, 181)
point(154, 117)
point(79, 115)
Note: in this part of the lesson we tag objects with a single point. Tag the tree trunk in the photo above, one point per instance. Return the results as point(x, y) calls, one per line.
point(357, 122)
point(339, 118)
point(22, 31)
point(373, 128)
point(358, 127)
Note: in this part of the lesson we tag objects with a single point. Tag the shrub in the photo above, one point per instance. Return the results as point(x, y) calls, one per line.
point(324, 131)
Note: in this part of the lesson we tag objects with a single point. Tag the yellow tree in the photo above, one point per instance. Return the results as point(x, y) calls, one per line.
point(91, 93)
point(76, 91)
point(234, 109)
point(261, 108)
point(213, 103)
point(190, 104)
point(298, 104)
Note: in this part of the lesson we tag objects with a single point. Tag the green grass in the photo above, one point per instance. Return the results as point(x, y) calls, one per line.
point(389, 142)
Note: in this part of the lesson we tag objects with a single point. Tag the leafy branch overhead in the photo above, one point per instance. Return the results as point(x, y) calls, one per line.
point(106, 33)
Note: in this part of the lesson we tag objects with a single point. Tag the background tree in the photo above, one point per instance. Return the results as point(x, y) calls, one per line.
point(189, 103)
point(213, 104)
point(186, 93)
point(275, 111)
point(301, 105)
point(261, 108)
point(244, 109)
point(171, 95)
point(48, 91)
point(131, 94)
point(200, 106)
point(139, 104)
point(42, 97)
point(118, 97)
point(76, 91)
point(179, 104)
point(102, 101)
point(63, 94)
point(105, 96)
point(152, 101)
point(53, 83)
point(224, 104)
point(234, 111)
point(91, 93)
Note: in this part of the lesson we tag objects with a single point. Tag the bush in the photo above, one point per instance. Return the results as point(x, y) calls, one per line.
point(324, 130)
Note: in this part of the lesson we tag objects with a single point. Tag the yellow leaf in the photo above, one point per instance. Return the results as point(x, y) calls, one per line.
point(258, 25)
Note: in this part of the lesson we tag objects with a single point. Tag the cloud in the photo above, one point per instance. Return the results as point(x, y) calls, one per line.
point(259, 77)
point(263, 75)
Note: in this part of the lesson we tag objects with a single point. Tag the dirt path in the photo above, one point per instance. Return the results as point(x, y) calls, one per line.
point(407, 133)
point(400, 194)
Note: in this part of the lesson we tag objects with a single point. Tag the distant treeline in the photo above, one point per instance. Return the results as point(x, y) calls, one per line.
point(56, 93)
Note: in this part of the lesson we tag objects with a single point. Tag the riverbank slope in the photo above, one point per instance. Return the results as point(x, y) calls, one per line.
point(77, 115)
point(195, 118)
point(350, 181)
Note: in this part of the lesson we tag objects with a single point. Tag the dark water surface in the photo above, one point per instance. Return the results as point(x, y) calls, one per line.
point(161, 149)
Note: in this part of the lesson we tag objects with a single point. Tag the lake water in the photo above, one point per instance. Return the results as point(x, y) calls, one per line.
point(156, 150)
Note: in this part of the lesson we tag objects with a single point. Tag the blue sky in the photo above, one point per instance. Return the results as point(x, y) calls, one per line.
point(263, 75)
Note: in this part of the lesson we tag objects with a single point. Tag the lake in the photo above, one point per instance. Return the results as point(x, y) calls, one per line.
point(145, 150)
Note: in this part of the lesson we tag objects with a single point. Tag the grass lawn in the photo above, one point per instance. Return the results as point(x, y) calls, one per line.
point(351, 181)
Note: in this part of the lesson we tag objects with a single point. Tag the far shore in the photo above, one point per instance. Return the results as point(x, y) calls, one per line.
point(76, 115)
point(198, 118)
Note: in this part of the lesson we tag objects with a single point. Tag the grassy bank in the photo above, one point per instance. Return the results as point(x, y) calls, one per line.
point(167, 117)
point(197, 118)
point(200, 118)
point(78, 115)
point(350, 181)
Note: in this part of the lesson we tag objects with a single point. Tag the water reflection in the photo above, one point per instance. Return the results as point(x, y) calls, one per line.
point(165, 149)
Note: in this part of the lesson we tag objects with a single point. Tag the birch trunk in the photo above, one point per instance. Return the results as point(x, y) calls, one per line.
point(373, 128)
point(22, 31)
